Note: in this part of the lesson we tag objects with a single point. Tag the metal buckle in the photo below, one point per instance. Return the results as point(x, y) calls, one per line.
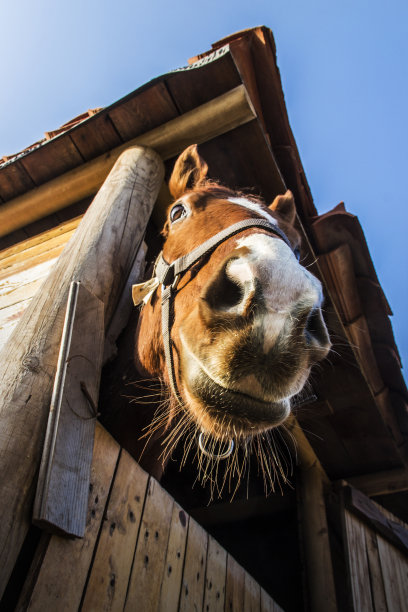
point(219, 456)
point(175, 282)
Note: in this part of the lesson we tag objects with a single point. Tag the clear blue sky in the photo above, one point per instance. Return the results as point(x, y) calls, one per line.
point(344, 71)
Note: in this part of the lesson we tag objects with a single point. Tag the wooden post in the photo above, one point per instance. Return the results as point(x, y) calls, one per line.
point(315, 533)
point(100, 254)
point(313, 519)
point(61, 501)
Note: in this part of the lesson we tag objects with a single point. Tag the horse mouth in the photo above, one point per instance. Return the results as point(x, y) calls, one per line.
point(226, 411)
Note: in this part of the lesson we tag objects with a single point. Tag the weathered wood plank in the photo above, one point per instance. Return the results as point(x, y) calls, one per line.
point(65, 566)
point(64, 156)
point(14, 180)
point(29, 265)
point(62, 492)
point(376, 577)
point(42, 239)
point(110, 232)
point(173, 566)
point(192, 588)
point(33, 255)
point(148, 567)
point(9, 318)
point(394, 566)
point(252, 594)
point(235, 586)
point(381, 483)
point(14, 295)
point(369, 512)
point(22, 278)
point(215, 577)
point(358, 563)
point(137, 115)
point(109, 577)
point(93, 142)
point(197, 126)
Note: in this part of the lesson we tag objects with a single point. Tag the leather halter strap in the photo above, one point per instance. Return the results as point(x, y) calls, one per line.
point(169, 274)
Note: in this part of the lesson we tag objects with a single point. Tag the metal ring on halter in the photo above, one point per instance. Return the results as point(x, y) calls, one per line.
point(205, 452)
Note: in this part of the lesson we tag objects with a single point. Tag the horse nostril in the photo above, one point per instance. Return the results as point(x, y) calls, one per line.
point(316, 331)
point(229, 291)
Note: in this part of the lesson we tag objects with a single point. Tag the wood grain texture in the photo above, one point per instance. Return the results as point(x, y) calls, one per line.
point(110, 572)
point(173, 565)
point(63, 573)
point(16, 293)
point(381, 483)
point(149, 562)
point(316, 541)
point(373, 515)
point(358, 563)
point(23, 263)
point(14, 180)
point(32, 255)
point(394, 566)
point(192, 587)
point(235, 586)
point(65, 156)
point(144, 112)
point(63, 485)
point(40, 240)
point(215, 575)
point(376, 576)
point(100, 255)
point(199, 125)
point(252, 594)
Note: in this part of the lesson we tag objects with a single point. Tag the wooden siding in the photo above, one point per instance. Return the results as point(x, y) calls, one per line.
point(141, 551)
point(378, 571)
point(23, 268)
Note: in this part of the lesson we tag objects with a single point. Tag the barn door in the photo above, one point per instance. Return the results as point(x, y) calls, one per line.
point(376, 550)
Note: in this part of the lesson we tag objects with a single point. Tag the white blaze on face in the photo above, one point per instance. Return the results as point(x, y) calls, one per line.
point(255, 207)
point(286, 285)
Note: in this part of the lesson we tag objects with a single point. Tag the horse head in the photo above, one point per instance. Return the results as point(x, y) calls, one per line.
point(245, 323)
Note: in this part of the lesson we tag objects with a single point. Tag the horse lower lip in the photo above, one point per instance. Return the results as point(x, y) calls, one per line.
point(236, 404)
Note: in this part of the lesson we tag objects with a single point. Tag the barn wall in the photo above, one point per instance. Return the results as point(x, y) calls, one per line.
point(377, 570)
point(141, 551)
point(23, 268)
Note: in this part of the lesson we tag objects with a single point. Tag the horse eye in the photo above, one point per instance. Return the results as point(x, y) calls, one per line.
point(296, 252)
point(177, 212)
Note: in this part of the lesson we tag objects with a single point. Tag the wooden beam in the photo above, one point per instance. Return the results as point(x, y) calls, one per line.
point(370, 513)
point(205, 122)
point(61, 500)
point(100, 255)
point(381, 483)
point(306, 457)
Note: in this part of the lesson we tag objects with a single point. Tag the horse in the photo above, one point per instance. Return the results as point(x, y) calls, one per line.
point(231, 322)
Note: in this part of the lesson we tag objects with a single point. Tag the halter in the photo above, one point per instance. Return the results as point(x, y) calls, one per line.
point(168, 276)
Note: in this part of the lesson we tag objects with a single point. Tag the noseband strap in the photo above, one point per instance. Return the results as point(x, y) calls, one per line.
point(169, 274)
point(166, 273)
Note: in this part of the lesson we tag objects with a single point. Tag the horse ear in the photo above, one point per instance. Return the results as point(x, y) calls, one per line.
point(189, 171)
point(284, 206)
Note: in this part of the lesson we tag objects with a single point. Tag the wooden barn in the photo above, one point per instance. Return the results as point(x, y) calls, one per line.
point(106, 535)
